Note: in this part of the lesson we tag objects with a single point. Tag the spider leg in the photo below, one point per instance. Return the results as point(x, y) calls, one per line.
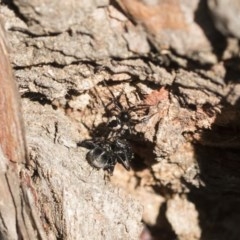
point(115, 99)
point(146, 118)
point(89, 144)
point(138, 107)
point(110, 169)
point(128, 103)
point(117, 105)
point(111, 165)
point(125, 162)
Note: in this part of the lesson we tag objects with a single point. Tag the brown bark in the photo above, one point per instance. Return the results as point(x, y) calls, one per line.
point(174, 56)
point(18, 211)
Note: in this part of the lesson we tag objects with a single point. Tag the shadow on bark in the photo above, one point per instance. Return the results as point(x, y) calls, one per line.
point(217, 202)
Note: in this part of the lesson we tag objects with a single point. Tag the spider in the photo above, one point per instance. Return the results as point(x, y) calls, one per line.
point(121, 121)
point(108, 144)
point(105, 154)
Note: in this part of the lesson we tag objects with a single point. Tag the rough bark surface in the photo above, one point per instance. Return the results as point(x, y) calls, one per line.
point(18, 217)
point(181, 59)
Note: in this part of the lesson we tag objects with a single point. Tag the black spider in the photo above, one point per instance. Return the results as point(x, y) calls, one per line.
point(120, 118)
point(112, 146)
point(105, 154)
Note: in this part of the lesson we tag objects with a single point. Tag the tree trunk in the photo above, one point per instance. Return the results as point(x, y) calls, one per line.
point(171, 68)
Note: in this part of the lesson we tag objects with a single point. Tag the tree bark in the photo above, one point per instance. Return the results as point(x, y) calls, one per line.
point(18, 211)
point(180, 60)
